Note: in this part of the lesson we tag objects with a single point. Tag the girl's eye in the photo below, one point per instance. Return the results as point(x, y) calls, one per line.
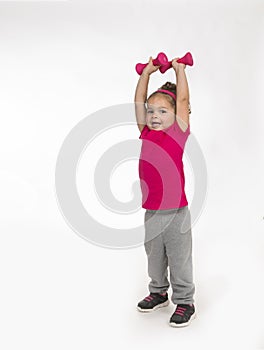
point(161, 111)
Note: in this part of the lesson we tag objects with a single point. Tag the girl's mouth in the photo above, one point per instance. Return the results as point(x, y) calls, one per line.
point(155, 124)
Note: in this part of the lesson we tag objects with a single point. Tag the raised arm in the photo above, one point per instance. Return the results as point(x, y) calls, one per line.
point(182, 100)
point(142, 92)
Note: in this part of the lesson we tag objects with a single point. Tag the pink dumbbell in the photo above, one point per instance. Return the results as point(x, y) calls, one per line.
point(160, 60)
point(186, 59)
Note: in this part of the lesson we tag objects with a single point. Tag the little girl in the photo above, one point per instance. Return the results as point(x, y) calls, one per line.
point(163, 120)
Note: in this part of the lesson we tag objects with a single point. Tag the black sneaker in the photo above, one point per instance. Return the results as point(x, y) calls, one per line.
point(152, 302)
point(183, 315)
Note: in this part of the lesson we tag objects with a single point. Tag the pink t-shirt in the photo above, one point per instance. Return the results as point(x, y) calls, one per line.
point(161, 168)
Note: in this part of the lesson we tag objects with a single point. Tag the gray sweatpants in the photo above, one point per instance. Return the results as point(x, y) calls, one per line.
point(168, 243)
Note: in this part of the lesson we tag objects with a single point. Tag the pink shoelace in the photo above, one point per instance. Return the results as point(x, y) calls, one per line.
point(180, 310)
point(149, 298)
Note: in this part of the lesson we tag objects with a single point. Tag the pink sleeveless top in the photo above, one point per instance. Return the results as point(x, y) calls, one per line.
point(161, 168)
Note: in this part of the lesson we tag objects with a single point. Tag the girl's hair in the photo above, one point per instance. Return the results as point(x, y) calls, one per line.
point(172, 88)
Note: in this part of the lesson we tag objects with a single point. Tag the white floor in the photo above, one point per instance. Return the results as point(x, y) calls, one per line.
point(59, 291)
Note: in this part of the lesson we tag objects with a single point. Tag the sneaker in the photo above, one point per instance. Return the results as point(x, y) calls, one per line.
point(183, 315)
point(152, 302)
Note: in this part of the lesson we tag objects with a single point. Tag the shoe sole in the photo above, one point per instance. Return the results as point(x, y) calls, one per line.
point(166, 303)
point(178, 325)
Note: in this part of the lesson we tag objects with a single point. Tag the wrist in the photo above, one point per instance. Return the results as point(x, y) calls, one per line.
point(145, 73)
point(179, 68)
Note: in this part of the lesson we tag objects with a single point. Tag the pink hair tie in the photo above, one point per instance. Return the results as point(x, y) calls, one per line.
point(167, 92)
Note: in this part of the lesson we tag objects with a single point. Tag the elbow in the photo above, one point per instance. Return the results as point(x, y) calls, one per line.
point(139, 100)
point(182, 98)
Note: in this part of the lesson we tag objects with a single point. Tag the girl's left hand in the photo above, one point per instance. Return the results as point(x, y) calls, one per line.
point(177, 65)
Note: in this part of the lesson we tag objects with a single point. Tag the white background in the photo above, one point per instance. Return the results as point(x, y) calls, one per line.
point(61, 61)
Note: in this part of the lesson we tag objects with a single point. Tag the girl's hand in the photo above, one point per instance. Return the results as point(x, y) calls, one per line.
point(176, 66)
point(150, 68)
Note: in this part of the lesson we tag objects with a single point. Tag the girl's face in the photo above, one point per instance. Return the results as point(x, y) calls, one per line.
point(160, 113)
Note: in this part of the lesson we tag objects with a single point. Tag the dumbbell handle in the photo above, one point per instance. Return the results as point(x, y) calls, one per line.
point(186, 59)
point(160, 60)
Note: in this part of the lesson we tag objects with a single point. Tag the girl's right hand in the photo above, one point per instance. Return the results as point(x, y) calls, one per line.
point(150, 68)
